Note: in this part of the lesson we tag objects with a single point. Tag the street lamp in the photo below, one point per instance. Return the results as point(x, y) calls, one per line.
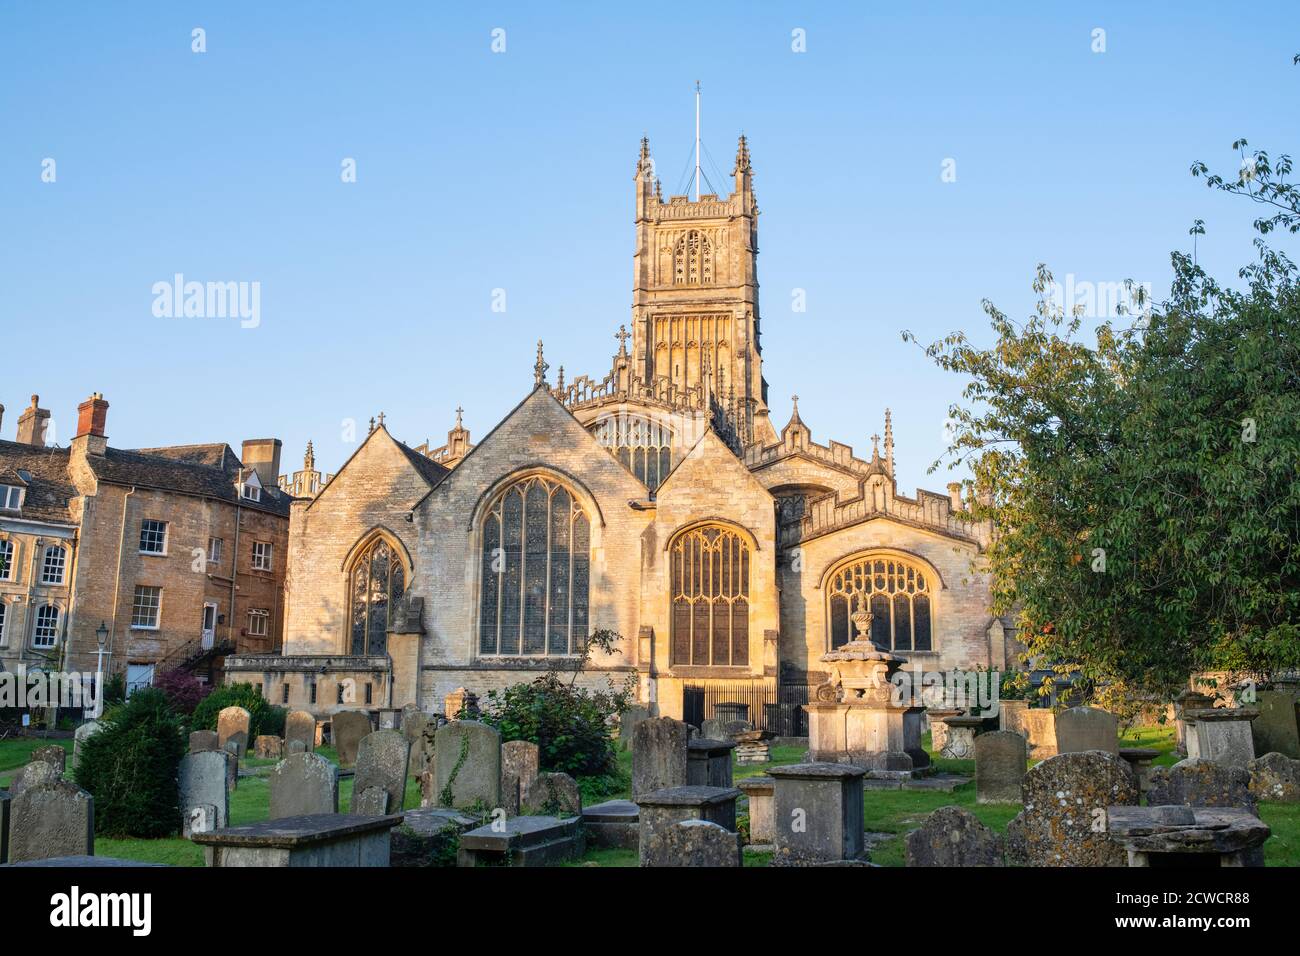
point(101, 635)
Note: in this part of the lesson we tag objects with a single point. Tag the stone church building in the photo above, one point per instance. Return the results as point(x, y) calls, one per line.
point(658, 501)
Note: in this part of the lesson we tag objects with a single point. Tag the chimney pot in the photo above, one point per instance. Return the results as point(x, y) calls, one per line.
point(32, 424)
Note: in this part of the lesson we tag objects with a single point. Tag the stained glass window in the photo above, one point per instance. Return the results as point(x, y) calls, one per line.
point(642, 446)
point(535, 572)
point(377, 581)
point(710, 592)
point(897, 594)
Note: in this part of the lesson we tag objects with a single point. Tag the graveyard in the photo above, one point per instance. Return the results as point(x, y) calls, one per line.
point(970, 814)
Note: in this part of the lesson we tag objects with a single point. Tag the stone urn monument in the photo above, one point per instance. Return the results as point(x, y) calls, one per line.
point(858, 717)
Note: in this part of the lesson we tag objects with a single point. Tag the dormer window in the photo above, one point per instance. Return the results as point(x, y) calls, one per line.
point(11, 498)
point(251, 492)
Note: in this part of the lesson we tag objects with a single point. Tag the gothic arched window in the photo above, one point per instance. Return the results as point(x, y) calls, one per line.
point(896, 592)
point(693, 259)
point(710, 592)
point(536, 570)
point(376, 581)
point(643, 446)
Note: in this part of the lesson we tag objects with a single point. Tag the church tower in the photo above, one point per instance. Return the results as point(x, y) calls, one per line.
point(695, 321)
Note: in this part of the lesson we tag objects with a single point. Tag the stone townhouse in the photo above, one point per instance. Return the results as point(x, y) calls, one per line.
point(177, 553)
point(658, 502)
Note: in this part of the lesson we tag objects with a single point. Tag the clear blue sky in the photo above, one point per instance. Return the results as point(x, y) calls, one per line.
point(479, 171)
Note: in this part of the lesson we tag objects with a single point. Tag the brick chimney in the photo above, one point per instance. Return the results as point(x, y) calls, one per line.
point(263, 456)
point(92, 416)
point(32, 424)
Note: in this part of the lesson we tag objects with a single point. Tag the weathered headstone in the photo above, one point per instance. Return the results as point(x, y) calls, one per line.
point(662, 810)
point(951, 836)
point(80, 736)
point(1275, 777)
point(519, 768)
point(696, 843)
point(38, 773)
point(1065, 803)
point(414, 726)
point(1000, 761)
point(201, 819)
point(54, 755)
point(627, 724)
point(708, 762)
point(300, 725)
point(295, 747)
point(371, 802)
point(1201, 783)
point(1221, 734)
point(54, 818)
point(659, 755)
point(460, 703)
point(1086, 728)
point(203, 782)
point(232, 724)
point(304, 784)
point(347, 728)
point(467, 764)
point(552, 795)
point(760, 791)
point(381, 764)
point(5, 800)
point(233, 752)
point(268, 747)
point(817, 813)
point(1039, 725)
point(1277, 729)
point(201, 740)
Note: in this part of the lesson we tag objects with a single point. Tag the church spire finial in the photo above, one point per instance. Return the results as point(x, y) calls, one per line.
point(742, 157)
point(309, 459)
point(889, 444)
point(459, 411)
point(539, 369)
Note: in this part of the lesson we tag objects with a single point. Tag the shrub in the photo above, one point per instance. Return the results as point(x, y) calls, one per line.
point(131, 766)
point(183, 690)
point(263, 718)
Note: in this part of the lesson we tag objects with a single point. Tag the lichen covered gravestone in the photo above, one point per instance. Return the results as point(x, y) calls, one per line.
point(50, 819)
point(698, 843)
point(519, 767)
point(552, 795)
point(347, 728)
point(38, 773)
point(232, 724)
point(1201, 783)
point(1065, 799)
point(1275, 777)
point(1086, 728)
point(659, 755)
point(467, 765)
point(381, 765)
point(951, 836)
point(201, 740)
point(304, 785)
point(1000, 760)
point(203, 782)
point(300, 725)
point(54, 755)
point(268, 747)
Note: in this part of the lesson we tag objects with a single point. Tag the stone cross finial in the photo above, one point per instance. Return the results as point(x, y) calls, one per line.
point(875, 444)
point(459, 410)
point(622, 335)
point(381, 419)
point(372, 426)
point(539, 369)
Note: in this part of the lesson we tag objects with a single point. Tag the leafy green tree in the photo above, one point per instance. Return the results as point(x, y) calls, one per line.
point(263, 717)
point(1146, 486)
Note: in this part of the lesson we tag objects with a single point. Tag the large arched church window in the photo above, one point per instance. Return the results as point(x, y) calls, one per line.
point(896, 592)
point(710, 593)
point(536, 569)
point(693, 259)
point(377, 580)
point(643, 446)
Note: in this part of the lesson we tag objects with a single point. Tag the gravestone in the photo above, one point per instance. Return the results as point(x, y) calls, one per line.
point(347, 728)
point(662, 810)
point(628, 722)
point(381, 764)
point(429, 837)
point(38, 773)
point(614, 823)
point(295, 747)
point(659, 755)
point(1011, 714)
point(267, 747)
point(467, 764)
point(1277, 729)
point(232, 724)
point(54, 755)
point(760, 791)
point(1039, 725)
point(304, 784)
point(300, 725)
point(80, 736)
point(1201, 783)
point(201, 819)
point(951, 836)
point(416, 730)
point(697, 843)
point(959, 741)
point(1065, 804)
point(519, 768)
point(370, 802)
point(51, 819)
point(1086, 728)
point(460, 701)
point(817, 813)
point(203, 782)
point(233, 752)
point(552, 795)
point(202, 740)
point(1275, 777)
point(708, 762)
point(1000, 761)
point(1221, 734)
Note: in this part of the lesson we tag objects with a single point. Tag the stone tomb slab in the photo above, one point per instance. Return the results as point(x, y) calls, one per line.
point(328, 840)
point(1221, 734)
point(522, 841)
point(664, 809)
point(428, 835)
point(760, 791)
point(817, 813)
point(1183, 836)
point(1086, 728)
point(708, 762)
point(614, 823)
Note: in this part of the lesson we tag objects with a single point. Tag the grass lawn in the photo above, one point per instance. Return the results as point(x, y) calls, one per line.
point(884, 811)
point(16, 753)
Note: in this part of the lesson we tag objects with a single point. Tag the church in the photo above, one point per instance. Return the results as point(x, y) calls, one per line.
point(658, 501)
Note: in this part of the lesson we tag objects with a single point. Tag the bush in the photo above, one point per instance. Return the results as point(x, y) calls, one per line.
point(131, 766)
point(263, 718)
point(183, 690)
point(115, 688)
point(570, 725)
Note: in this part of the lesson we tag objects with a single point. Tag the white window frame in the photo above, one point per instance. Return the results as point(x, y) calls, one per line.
point(145, 674)
point(264, 617)
point(7, 572)
point(156, 607)
point(4, 620)
point(250, 492)
point(60, 565)
point(162, 551)
point(215, 547)
point(263, 555)
point(52, 627)
point(11, 498)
